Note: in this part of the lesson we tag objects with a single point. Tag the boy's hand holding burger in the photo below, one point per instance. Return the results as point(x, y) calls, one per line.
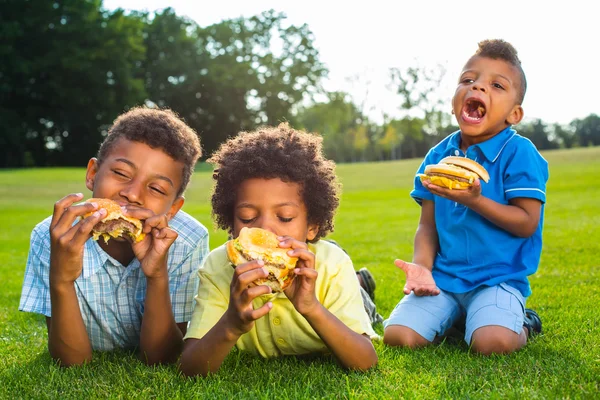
point(455, 178)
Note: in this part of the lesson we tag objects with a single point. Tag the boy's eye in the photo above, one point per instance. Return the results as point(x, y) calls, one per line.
point(119, 173)
point(467, 80)
point(156, 189)
point(497, 85)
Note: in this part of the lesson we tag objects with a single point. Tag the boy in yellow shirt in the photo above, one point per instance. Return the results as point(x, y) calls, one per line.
point(277, 179)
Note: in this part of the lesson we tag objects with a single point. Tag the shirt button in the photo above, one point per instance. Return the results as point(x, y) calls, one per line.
point(280, 341)
point(276, 321)
point(456, 152)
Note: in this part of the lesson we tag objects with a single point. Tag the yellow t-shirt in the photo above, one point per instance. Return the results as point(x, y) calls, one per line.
point(283, 331)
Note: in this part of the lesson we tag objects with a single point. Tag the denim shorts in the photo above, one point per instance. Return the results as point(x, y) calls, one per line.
point(431, 316)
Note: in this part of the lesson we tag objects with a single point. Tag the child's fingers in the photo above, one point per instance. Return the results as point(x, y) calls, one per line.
point(307, 256)
point(137, 212)
point(290, 242)
point(244, 276)
point(62, 205)
point(249, 266)
point(80, 232)
point(253, 292)
point(309, 273)
point(165, 233)
point(403, 265)
point(155, 222)
point(253, 315)
point(71, 213)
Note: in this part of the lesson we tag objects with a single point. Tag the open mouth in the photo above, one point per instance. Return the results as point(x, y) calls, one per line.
point(474, 110)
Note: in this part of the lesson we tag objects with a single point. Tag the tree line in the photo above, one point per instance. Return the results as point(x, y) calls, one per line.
point(69, 67)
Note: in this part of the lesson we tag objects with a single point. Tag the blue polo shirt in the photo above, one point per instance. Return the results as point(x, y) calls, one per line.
point(473, 251)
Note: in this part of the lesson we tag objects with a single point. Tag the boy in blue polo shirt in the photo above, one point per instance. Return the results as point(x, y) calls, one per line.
point(474, 248)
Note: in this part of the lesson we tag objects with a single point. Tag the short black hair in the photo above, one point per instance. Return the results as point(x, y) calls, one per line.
point(276, 152)
point(160, 129)
point(499, 49)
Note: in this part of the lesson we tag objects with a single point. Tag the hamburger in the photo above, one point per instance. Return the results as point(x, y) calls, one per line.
point(260, 244)
point(455, 173)
point(115, 224)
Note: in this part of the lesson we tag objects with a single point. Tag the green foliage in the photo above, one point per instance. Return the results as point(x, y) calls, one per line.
point(588, 130)
point(70, 67)
point(68, 72)
point(375, 224)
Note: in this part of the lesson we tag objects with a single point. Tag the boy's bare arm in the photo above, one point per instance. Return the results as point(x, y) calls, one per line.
point(419, 278)
point(426, 242)
point(161, 339)
point(521, 217)
point(353, 350)
point(205, 355)
point(68, 341)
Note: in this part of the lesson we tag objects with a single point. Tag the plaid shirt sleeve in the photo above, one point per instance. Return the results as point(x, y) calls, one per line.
point(183, 278)
point(35, 294)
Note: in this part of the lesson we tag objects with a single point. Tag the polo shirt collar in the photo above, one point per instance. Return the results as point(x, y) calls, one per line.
point(490, 149)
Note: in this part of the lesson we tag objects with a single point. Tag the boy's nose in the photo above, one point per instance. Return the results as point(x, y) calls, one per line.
point(479, 86)
point(131, 193)
point(266, 225)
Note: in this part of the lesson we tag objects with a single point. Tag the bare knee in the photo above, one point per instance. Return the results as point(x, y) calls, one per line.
point(490, 340)
point(403, 336)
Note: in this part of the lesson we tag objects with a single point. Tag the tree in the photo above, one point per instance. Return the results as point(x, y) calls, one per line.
point(565, 135)
point(536, 131)
point(587, 130)
point(335, 120)
point(69, 72)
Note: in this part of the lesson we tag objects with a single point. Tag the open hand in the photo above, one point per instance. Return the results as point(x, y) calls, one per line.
point(301, 292)
point(418, 279)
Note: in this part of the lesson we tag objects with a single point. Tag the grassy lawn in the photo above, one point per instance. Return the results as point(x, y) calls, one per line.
point(376, 223)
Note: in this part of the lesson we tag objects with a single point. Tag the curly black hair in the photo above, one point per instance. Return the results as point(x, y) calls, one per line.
point(160, 129)
point(276, 152)
point(499, 49)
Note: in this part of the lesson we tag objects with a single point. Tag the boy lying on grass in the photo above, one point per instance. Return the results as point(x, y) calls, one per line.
point(277, 179)
point(99, 295)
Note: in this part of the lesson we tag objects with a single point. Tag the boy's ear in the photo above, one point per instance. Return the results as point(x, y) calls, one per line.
point(313, 229)
point(516, 115)
point(90, 174)
point(175, 207)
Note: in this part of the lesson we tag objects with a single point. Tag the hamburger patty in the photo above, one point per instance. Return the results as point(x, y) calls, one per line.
point(452, 177)
point(114, 224)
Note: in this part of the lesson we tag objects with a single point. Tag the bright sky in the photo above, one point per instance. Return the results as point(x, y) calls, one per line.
point(558, 43)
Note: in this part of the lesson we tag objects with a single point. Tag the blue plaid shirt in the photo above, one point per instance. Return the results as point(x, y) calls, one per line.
point(111, 296)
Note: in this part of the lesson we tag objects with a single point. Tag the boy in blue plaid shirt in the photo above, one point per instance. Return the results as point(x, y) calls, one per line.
point(100, 295)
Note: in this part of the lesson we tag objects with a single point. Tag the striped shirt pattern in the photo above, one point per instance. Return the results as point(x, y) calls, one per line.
point(111, 296)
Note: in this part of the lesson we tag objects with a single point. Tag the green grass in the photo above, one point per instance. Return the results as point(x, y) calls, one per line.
point(376, 223)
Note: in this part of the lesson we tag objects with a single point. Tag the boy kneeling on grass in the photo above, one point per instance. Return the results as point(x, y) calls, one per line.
point(100, 295)
point(277, 179)
point(475, 248)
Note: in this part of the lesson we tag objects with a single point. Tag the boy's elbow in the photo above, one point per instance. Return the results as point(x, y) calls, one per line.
point(527, 230)
point(190, 372)
point(366, 364)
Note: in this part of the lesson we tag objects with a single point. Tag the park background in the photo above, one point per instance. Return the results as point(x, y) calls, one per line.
point(70, 67)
